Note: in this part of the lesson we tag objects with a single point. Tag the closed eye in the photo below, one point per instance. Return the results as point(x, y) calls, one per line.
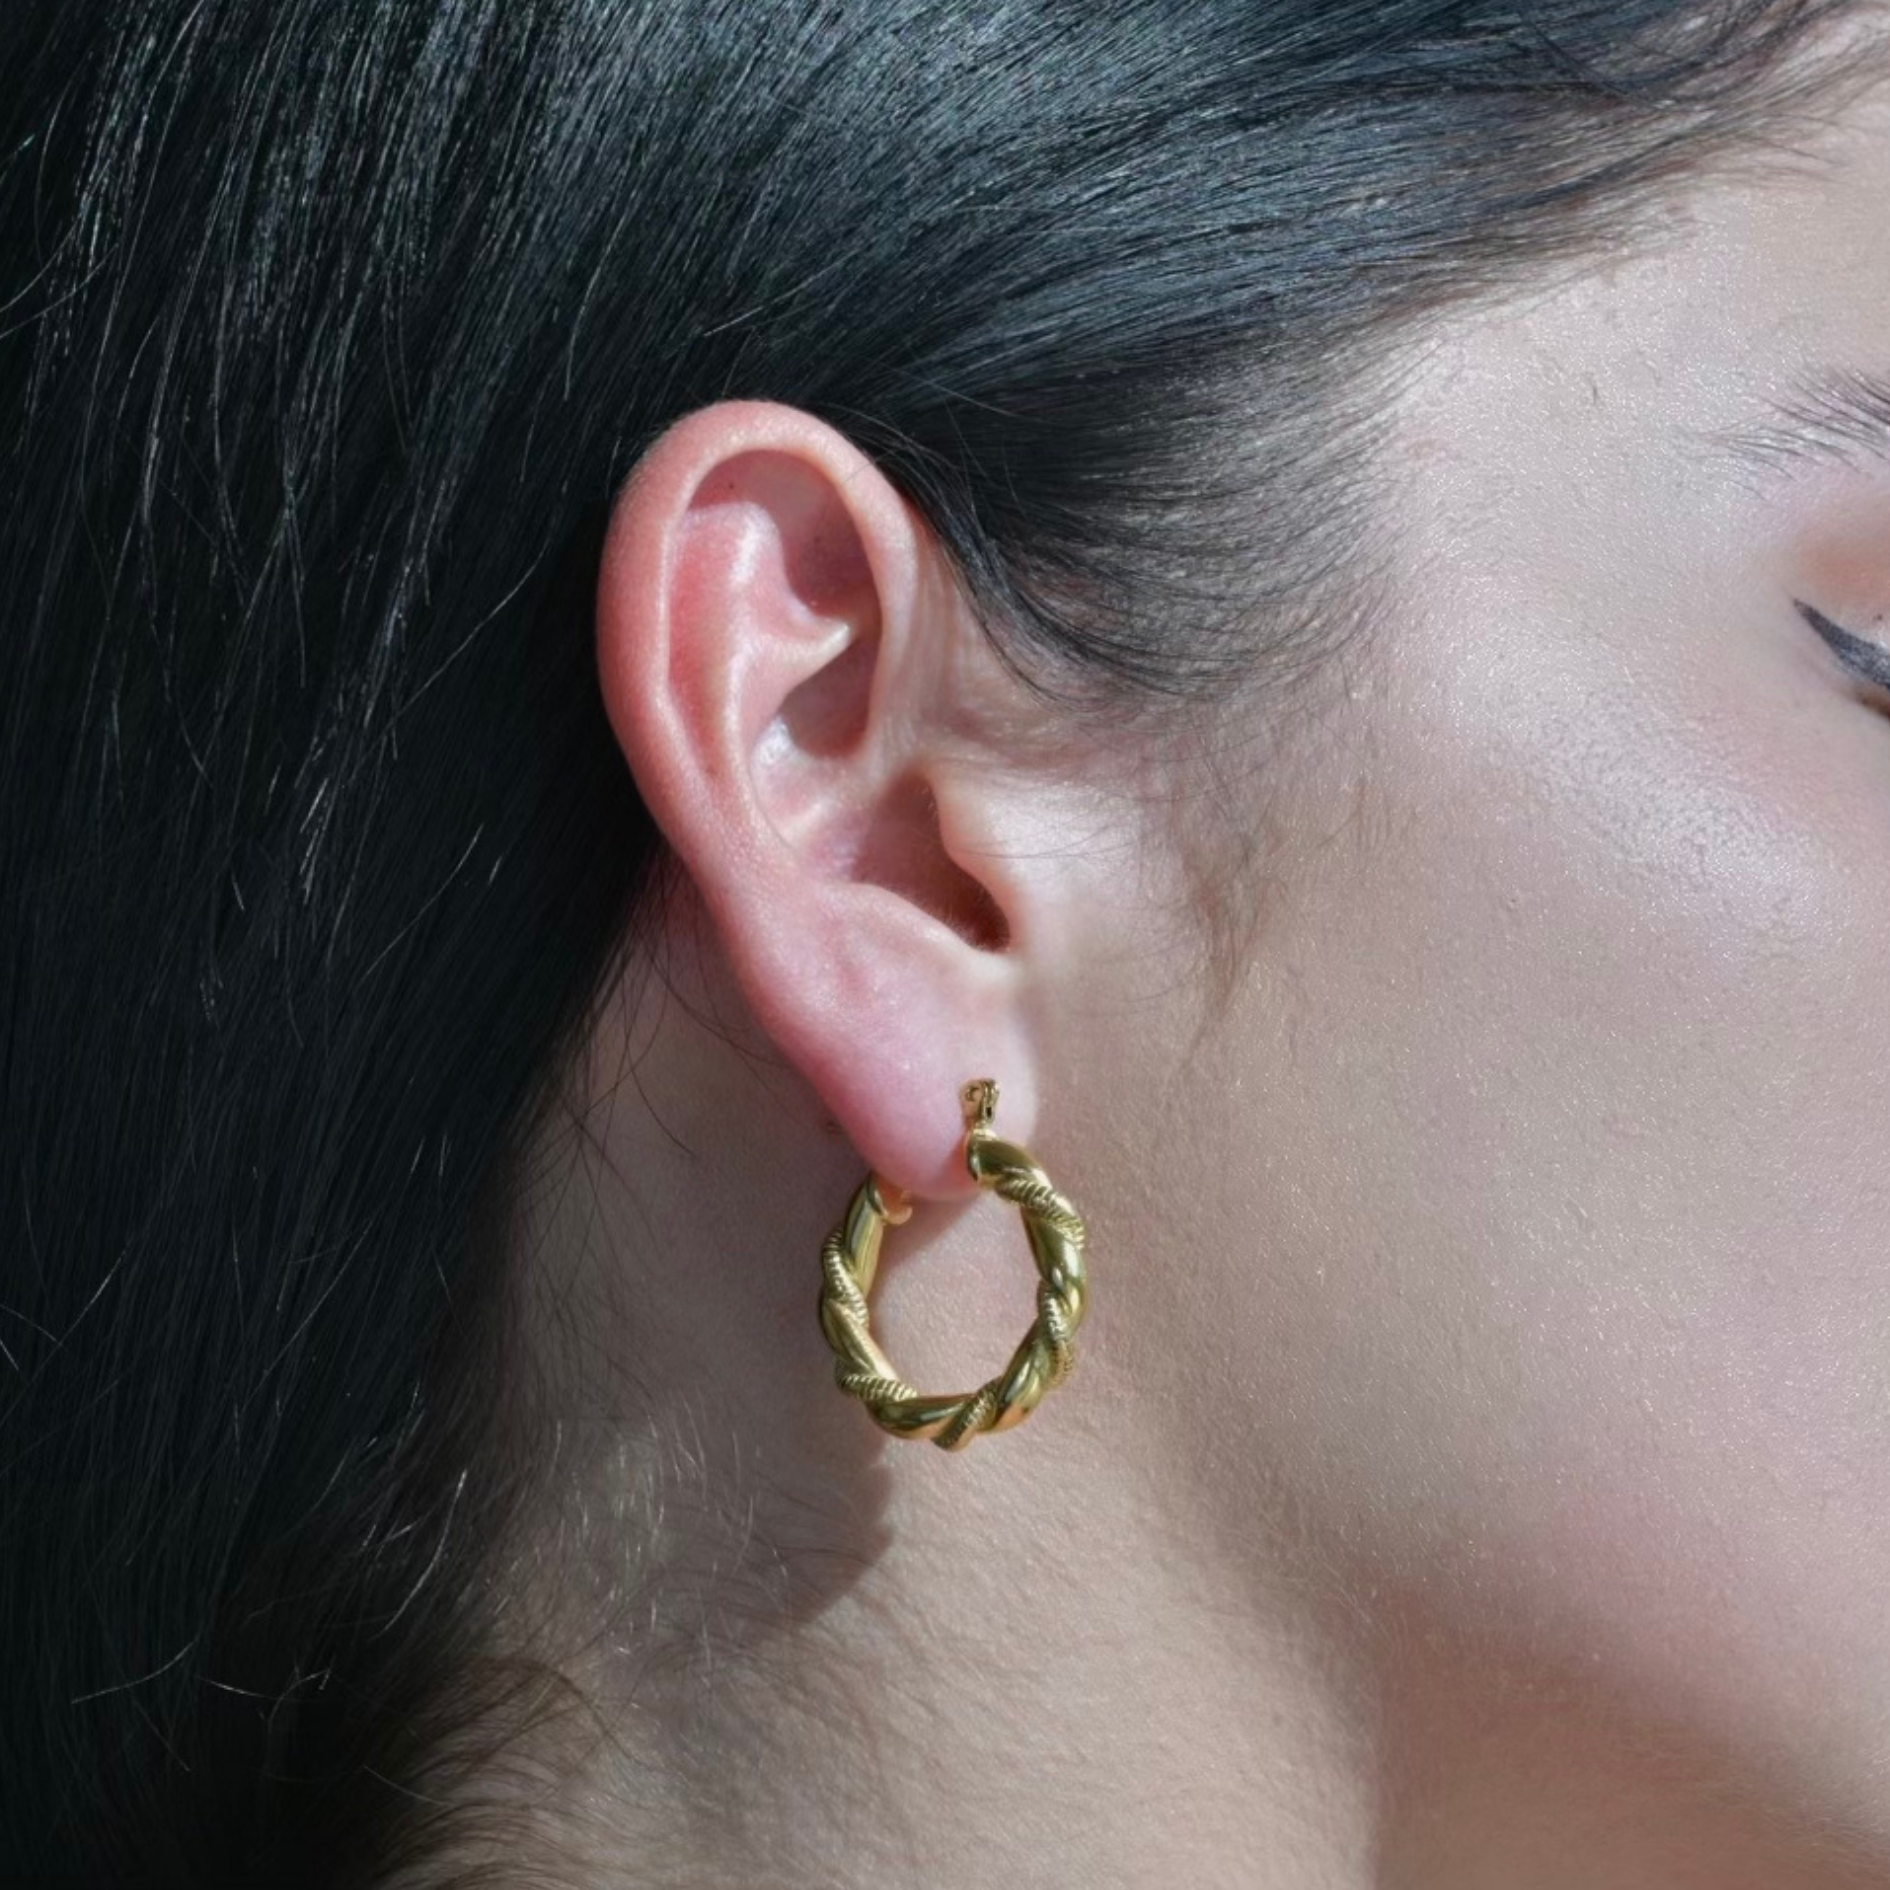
point(1858, 654)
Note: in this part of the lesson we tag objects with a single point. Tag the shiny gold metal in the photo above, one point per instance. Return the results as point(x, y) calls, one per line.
point(850, 1258)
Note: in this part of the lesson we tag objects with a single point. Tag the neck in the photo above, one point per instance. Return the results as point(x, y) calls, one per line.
point(1032, 1658)
point(1010, 1662)
point(1061, 1656)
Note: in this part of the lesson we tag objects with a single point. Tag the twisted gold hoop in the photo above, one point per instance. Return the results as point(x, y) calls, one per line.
point(850, 1258)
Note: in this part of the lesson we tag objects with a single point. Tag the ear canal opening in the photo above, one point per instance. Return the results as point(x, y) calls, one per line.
point(977, 917)
point(904, 852)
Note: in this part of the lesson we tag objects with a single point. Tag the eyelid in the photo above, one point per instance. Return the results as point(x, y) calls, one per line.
point(1858, 654)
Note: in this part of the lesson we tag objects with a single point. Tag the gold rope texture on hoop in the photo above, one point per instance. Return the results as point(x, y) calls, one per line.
point(850, 1257)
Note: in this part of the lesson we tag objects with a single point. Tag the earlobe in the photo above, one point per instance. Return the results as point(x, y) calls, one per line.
point(775, 650)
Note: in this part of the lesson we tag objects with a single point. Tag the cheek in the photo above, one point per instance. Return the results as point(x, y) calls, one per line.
point(1573, 1078)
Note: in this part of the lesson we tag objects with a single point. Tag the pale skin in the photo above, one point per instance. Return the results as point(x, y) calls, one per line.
point(1477, 1468)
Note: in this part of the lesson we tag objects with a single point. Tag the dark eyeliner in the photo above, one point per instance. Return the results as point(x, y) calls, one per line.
point(1868, 659)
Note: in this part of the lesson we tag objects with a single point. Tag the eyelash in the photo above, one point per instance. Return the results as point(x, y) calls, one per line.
point(1858, 654)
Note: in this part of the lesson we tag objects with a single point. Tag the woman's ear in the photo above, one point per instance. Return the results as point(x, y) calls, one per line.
point(790, 668)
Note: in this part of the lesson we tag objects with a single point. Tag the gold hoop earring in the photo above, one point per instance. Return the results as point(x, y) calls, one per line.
point(850, 1258)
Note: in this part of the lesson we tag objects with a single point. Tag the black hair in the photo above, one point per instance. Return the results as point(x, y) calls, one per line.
point(330, 329)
